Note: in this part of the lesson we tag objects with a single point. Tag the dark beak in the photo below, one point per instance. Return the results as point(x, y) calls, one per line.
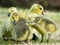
point(42, 13)
point(8, 14)
point(14, 22)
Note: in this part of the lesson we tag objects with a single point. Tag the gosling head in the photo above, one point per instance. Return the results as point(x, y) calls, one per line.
point(37, 9)
point(13, 14)
point(11, 10)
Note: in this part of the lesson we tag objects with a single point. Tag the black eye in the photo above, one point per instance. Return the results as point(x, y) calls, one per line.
point(40, 8)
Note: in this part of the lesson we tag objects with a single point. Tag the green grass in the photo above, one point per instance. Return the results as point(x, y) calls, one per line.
point(54, 15)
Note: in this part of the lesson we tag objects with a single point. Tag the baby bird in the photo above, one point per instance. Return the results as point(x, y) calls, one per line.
point(44, 26)
point(36, 10)
point(8, 25)
point(21, 30)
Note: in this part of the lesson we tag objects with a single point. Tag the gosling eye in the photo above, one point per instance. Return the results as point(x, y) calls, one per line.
point(40, 8)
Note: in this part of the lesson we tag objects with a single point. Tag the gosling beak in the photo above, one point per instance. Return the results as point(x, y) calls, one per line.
point(43, 13)
point(8, 14)
point(14, 22)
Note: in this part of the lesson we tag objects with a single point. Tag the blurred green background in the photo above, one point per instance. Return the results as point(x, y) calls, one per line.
point(55, 4)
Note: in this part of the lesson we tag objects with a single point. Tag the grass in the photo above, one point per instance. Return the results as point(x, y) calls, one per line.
point(54, 15)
